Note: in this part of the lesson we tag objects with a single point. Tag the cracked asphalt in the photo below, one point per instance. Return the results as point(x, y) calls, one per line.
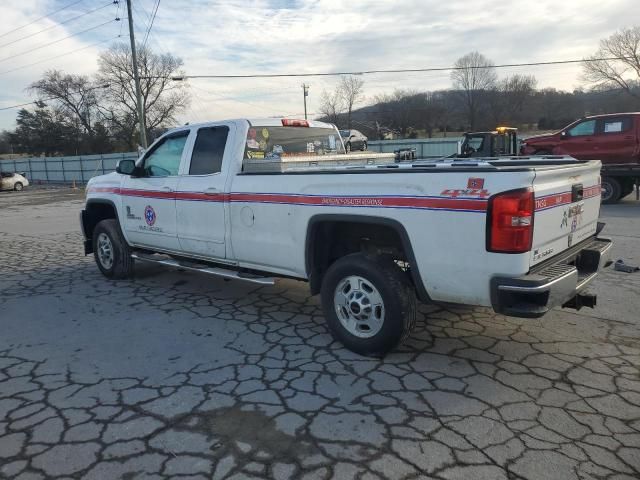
point(178, 375)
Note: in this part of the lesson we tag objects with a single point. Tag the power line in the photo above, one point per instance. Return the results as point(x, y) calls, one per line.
point(404, 70)
point(58, 56)
point(97, 87)
point(153, 17)
point(40, 18)
point(231, 99)
point(56, 41)
point(58, 24)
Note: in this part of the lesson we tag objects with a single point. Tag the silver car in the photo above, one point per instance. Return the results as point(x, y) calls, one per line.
point(12, 181)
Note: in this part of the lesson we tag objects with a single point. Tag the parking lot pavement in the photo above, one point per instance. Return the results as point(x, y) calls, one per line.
point(175, 374)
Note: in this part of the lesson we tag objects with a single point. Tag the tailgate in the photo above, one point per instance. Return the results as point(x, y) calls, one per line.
point(567, 207)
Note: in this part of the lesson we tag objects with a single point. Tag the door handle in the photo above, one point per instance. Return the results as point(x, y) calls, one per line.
point(167, 189)
point(211, 191)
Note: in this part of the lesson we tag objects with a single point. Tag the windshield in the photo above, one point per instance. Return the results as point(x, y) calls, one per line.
point(278, 142)
point(344, 133)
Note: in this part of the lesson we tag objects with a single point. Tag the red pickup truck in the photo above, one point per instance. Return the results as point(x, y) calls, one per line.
point(613, 138)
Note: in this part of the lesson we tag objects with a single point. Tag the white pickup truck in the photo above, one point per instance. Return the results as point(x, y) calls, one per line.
point(257, 199)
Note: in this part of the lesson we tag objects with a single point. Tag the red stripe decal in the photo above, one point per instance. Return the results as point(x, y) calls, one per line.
point(558, 199)
point(463, 204)
point(436, 203)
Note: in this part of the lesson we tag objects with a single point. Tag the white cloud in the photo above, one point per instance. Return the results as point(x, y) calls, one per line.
point(272, 36)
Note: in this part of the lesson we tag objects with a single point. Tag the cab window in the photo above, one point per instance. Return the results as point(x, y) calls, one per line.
point(208, 151)
point(164, 159)
point(616, 125)
point(583, 129)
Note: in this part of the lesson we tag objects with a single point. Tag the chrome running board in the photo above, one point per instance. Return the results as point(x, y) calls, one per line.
point(218, 272)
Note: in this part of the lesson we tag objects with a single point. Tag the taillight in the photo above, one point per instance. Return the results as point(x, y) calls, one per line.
point(510, 221)
point(287, 122)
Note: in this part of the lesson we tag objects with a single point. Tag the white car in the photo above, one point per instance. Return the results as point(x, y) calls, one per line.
point(253, 199)
point(12, 181)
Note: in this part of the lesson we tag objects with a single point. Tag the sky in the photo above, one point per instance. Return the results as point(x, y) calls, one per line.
point(302, 36)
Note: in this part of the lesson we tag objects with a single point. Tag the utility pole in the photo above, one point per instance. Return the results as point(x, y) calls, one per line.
point(136, 77)
point(305, 92)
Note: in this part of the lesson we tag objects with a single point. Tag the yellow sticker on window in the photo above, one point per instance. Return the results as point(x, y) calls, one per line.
point(265, 134)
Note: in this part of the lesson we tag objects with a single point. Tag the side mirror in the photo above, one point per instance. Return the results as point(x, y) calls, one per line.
point(564, 135)
point(126, 167)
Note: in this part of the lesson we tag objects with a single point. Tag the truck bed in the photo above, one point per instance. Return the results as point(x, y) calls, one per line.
point(359, 163)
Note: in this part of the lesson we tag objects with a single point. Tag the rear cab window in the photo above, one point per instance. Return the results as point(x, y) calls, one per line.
point(208, 150)
point(615, 125)
point(276, 142)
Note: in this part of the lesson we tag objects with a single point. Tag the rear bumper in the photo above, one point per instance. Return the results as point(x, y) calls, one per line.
point(554, 283)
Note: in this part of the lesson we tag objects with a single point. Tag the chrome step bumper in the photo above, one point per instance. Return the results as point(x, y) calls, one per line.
point(558, 283)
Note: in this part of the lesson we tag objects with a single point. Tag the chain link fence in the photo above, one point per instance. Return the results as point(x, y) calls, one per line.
point(77, 169)
point(425, 147)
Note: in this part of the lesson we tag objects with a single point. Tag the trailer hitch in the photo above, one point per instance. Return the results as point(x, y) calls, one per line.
point(581, 300)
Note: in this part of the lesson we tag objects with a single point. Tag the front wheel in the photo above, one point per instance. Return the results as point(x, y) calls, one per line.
point(364, 146)
point(111, 251)
point(369, 303)
point(347, 147)
point(17, 187)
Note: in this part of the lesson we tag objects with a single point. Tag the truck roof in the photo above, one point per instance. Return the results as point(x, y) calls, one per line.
point(258, 122)
point(605, 115)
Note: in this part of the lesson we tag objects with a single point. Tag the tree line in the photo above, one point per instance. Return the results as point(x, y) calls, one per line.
point(80, 114)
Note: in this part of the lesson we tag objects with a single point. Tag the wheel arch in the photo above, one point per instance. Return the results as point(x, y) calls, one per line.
point(316, 261)
point(94, 212)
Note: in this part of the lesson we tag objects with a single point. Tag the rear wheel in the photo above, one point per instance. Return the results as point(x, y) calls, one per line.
point(369, 303)
point(611, 190)
point(348, 147)
point(364, 146)
point(111, 251)
point(17, 187)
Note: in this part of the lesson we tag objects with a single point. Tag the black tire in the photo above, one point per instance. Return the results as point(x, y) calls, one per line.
point(390, 283)
point(347, 147)
point(611, 190)
point(543, 152)
point(364, 146)
point(121, 265)
point(17, 186)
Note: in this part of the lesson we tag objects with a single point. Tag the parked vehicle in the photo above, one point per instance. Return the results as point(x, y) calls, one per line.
point(254, 199)
point(613, 138)
point(13, 181)
point(353, 140)
point(499, 142)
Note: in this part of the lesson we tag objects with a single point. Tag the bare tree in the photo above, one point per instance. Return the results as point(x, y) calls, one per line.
point(624, 71)
point(350, 90)
point(331, 105)
point(508, 99)
point(75, 96)
point(473, 76)
point(163, 98)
